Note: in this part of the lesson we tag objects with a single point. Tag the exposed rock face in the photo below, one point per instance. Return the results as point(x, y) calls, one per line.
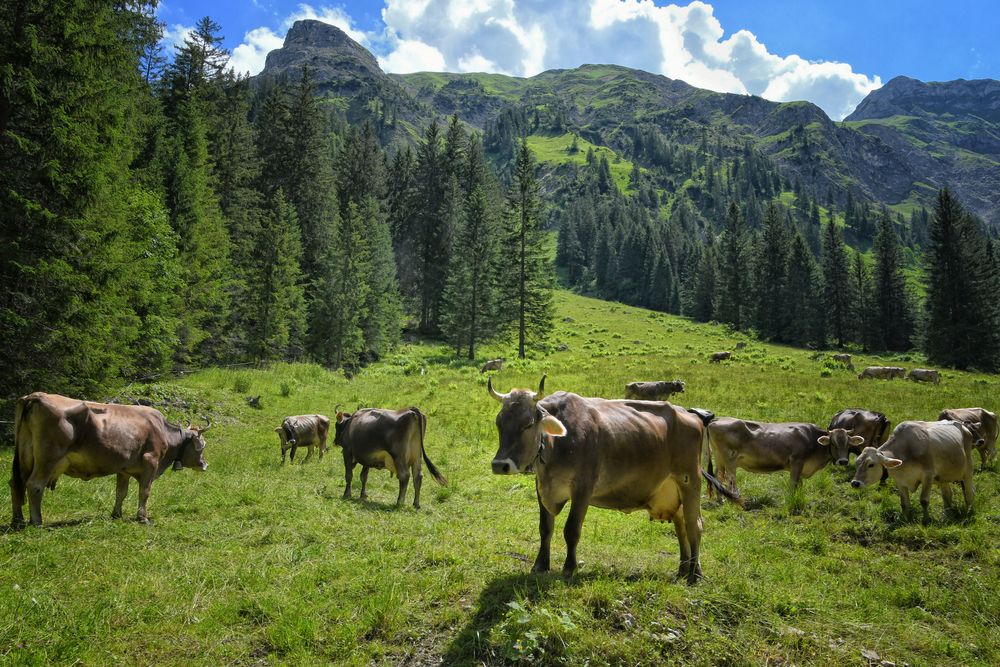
point(904, 96)
point(335, 58)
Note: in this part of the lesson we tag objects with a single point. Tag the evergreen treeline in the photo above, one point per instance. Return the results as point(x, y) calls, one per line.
point(162, 215)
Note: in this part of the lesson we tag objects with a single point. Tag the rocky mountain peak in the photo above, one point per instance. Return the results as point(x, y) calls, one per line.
point(316, 44)
point(903, 96)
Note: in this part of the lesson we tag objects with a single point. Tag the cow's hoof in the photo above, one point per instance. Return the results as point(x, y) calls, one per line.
point(143, 520)
point(17, 524)
point(416, 506)
point(116, 515)
point(363, 496)
point(539, 568)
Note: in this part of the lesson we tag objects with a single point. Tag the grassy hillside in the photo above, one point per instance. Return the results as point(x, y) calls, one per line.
point(254, 562)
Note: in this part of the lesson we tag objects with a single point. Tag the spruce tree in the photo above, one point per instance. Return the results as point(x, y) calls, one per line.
point(836, 287)
point(733, 297)
point(892, 302)
point(526, 297)
point(864, 323)
point(802, 300)
point(706, 281)
point(963, 322)
point(770, 266)
point(431, 233)
point(381, 310)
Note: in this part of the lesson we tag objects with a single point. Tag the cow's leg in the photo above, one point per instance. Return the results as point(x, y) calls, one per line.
point(348, 473)
point(579, 503)
point(546, 524)
point(796, 473)
point(322, 448)
point(364, 482)
point(904, 501)
point(309, 453)
point(680, 528)
point(418, 480)
point(16, 497)
point(145, 485)
point(283, 450)
point(121, 490)
point(968, 491)
point(691, 505)
point(291, 454)
point(403, 472)
point(35, 486)
point(945, 494)
point(925, 496)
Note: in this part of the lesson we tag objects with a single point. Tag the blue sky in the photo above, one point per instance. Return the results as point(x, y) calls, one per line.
point(830, 53)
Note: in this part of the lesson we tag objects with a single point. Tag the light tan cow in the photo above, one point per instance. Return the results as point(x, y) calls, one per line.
point(925, 375)
point(845, 359)
point(303, 431)
point(719, 356)
point(55, 435)
point(923, 453)
point(883, 373)
point(493, 365)
point(988, 430)
point(800, 448)
point(621, 455)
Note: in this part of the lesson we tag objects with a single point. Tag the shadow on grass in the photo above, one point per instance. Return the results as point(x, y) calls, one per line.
point(68, 523)
point(378, 505)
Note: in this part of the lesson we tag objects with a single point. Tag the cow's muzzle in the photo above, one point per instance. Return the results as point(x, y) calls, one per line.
point(504, 467)
point(856, 483)
point(842, 462)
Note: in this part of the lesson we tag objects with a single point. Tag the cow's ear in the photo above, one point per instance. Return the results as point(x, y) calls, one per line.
point(888, 461)
point(857, 440)
point(823, 440)
point(552, 426)
point(342, 417)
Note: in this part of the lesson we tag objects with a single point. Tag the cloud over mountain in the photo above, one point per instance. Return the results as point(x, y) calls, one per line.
point(525, 37)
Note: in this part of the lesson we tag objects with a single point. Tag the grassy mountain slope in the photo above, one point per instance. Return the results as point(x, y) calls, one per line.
point(254, 562)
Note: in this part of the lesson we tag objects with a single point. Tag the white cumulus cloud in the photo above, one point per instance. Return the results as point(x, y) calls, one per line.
point(249, 56)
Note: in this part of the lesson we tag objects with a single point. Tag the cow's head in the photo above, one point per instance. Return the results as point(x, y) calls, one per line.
point(972, 433)
point(521, 424)
point(340, 428)
point(869, 465)
point(840, 442)
point(192, 449)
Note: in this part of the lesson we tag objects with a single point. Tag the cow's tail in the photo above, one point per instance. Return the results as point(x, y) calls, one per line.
point(422, 424)
point(722, 490)
point(21, 410)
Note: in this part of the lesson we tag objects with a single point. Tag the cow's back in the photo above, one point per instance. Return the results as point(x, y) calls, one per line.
point(373, 430)
point(936, 446)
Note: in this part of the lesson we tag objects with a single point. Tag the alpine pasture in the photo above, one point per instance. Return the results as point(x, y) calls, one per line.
point(254, 562)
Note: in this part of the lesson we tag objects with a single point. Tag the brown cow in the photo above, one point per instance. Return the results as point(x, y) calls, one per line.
point(882, 372)
point(802, 449)
point(493, 365)
point(55, 435)
point(989, 429)
point(923, 453)
point(653, 391)
point(872, 427)
point(303, 431)
point(623, 455)
point(391, 439)
point(925, 375)
point(719, 356)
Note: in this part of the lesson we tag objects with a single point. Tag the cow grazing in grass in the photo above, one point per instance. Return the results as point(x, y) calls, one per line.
point(882, 373)
point(923, 453)
point(493, 365)
point(390, 439)
point(872, 427)
point(845, 359)
point(303, 431)
point(719, 356)
point(653, 391)
point(802, 449)
point(615, 454)
point(55, 435)
point(988, 429)
point(925, 375)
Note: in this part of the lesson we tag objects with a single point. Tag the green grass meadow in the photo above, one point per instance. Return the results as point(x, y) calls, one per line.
point(253, 562)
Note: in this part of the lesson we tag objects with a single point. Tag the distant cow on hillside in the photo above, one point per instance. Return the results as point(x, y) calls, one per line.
point(845, 359)
point(653, 391)
point(493, 365)
point(925, 375)
point(883, 373)
point(719, 356)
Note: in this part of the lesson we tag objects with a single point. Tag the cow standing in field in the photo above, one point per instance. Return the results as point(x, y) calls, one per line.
point(493, 365)
point(882, 373)
point(802, 449)
point(925, 375)
point(614, 454)
point(719, 356)
point(303, 431)
point(988, 429)
point(55, 435)
point(653, 391)
point(923, 453)
point(390, 439)
point(872, 427)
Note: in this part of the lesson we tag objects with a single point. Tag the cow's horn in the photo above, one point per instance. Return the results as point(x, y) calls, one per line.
point(493, 392)
point(207, 426)
point(541, 389)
